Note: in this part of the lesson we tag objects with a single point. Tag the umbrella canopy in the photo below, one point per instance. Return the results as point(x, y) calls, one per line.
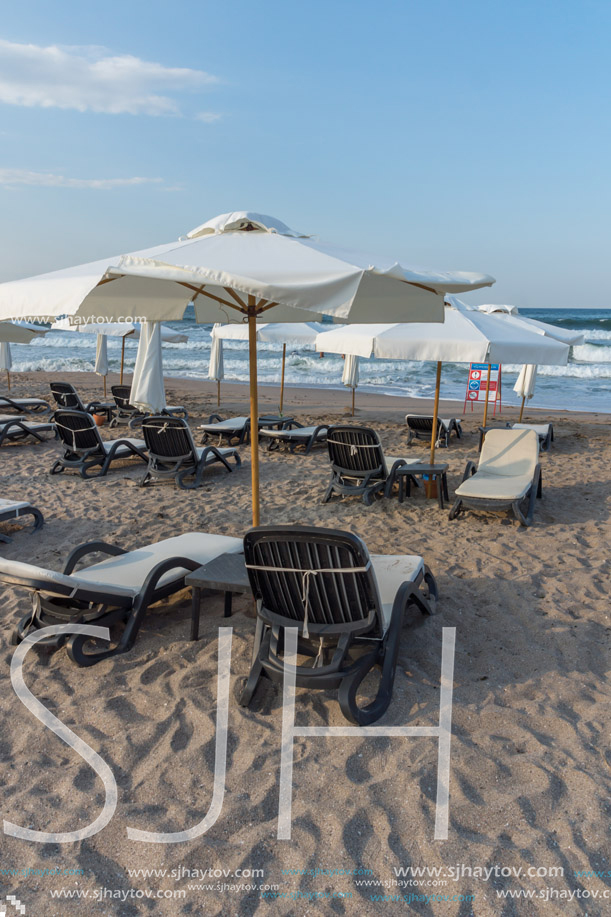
point(512, 315)
point(148, 393)
point(240, 263)
point(20, 333)
point(117, 329)
point(5, 356)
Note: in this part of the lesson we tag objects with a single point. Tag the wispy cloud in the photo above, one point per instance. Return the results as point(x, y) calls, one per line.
point(207, 116)
point(14, 178)
point(91, 79)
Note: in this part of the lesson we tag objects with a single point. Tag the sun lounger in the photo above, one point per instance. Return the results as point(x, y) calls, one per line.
point(126, 412)
point(233, 428)
point(358, 464)
point(86, 449)
point(173, 454)
point(545, 432)
point(508, 475)
point(66, 396)
point(341, 599)
point(119, 589)
point(14, 429)
point(295, 435)
point(24, 405)
point(15, 509)
point(420, 426)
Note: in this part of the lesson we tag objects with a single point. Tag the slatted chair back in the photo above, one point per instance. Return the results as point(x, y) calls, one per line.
point(319, 578)
point(356, 451)
point(77, 430)
point(66, 396)
point(168, 438)
point(121, 395)
point(421, 424)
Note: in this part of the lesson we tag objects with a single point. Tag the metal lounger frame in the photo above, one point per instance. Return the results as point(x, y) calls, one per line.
point(421, 427)
point(6, 515)
point(344, 613)
point(240, 434)
point(171, 453)
point(15, 430)
point(84, 445)
point(6, 402)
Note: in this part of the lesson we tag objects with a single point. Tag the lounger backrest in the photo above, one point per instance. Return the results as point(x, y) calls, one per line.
point(355, 450)
point(420, 423)
point(77, 430)
point(168, 437)
point(121, 395)
point(289, 566)
point(66, 396)
point(509, 452)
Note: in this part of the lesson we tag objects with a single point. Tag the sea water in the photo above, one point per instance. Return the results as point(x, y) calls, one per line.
point(583, 384)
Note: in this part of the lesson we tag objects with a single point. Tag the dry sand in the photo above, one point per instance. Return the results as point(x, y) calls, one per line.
point(530, 759)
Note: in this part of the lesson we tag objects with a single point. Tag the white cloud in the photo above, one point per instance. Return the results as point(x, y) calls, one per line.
point(207, 116)
point(91, 79)
point(13, 178)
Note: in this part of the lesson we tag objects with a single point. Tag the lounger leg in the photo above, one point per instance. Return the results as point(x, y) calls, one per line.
point(196, 598)
point(455, 509)
point(227, 604)
point(256, 669)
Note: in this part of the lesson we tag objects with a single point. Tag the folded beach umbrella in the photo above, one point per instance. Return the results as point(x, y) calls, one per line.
point(101, 358)
point(291, 334)
point(148, 393)
point(216, 369)
point(15, 333)
point(246, 264)
point(525, 384)
point(466, 336)
point(350, 376)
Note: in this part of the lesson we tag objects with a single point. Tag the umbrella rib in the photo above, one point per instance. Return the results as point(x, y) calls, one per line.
point(201, 292)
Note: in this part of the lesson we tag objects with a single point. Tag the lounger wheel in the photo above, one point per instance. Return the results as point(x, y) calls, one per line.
point(76, 652)
point(57, 468)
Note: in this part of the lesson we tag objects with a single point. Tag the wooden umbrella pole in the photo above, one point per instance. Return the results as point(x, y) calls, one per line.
point(254, 412)
point(8, 379)
point(522, 408)
point(435, 413)
point(105, 386)
point(218, 393)
point(122, 358)
point(282, 377)
point(353, 393)
point(487, 394)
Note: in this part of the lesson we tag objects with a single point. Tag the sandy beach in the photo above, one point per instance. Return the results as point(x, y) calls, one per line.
point(530, 760)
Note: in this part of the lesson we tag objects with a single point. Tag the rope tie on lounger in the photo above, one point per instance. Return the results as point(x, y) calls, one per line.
point(306, 576)
point(73, 432)
point(355, 446)
point(151, 426)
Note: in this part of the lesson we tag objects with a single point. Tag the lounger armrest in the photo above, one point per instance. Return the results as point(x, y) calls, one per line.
point(214, 418)
point(291, 425)
point(92, 547)
point(470, 470)
point(152, 580)
point(538, 480)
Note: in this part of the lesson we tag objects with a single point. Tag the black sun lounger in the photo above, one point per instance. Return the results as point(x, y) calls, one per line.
point(85, 448)
point(14, 509)
point(358, 464)
point(347, 605)
point(294, 436)
point(24, 405)
point(66, 396)
point(420, 426)
point(173, 454)
point(14, 429)
point(127, 413)
point(117, 590)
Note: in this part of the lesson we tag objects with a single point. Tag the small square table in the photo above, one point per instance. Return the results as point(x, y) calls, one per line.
point(226, 573)
point(405, 473)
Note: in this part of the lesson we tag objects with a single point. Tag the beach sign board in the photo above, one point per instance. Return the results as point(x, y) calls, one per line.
point(478, 381)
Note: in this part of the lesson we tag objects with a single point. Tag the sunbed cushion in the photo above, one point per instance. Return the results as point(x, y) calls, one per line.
point(25, 401)
point(233, 423)
point(124, 575)
point(7, 506)
point(199, 451)
point(390, 571)
point(495, 486)
point(541, 429)
point(28, 425)
point(136, 443)
point(10, 418)
point(297, 433)
point(506, 467)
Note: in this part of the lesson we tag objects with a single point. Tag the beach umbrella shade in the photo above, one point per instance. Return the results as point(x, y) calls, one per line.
point(245, 264)
point(216, 369)
point(148, 393)
point(289, 334)
point(15, 333)
point(466, 336)
point(101, 358)
point(525, 385)
point(350, 376)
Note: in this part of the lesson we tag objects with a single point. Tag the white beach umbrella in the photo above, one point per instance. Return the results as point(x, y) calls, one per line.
point(240, 263)
point(291, 334)
point(525, 385)
point(350, 375)
point(148, 393)
point(101, 358)
point(466, 336)
point(15, 333)
point(216, 369)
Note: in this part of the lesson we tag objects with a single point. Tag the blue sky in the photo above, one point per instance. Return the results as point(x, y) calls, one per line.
point(457, 135)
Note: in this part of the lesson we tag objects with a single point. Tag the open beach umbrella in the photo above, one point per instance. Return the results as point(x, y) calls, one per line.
point(244, 264)
point(117, 329)
point(15, 333)
point(466, 336)
point(216, 369)
point(350, 375)
point(101, 358)
point(148, 393)
point(291, 334)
